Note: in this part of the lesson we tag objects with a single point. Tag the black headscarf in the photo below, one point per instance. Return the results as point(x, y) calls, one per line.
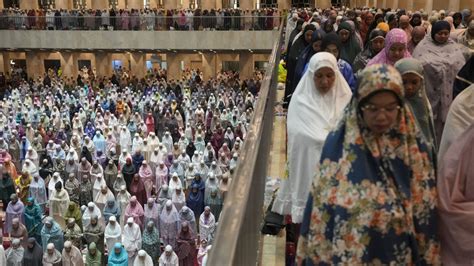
point(464, 78)
point(459, 16)
point(439, 26)
point(331, 38)
point(33, 256)
point(412, 22)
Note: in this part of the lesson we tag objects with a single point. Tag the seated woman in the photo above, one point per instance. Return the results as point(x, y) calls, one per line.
point(373, 195)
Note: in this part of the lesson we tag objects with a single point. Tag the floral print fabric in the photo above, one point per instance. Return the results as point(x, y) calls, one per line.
point(373, 200)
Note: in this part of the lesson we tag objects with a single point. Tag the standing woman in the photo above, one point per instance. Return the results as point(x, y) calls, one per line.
point(350, 45)
point(308, 52)
point(318, 103)
point(442, 59)
point(396, 48)
point(293, 55)
point(373, 199)
point(415, 95)
point(375, 44)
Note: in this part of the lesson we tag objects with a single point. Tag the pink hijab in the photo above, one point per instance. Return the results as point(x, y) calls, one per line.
point(456, 201)
point(394, 36)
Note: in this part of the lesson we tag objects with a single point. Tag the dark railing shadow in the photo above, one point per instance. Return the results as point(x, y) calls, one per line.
point(237, 240)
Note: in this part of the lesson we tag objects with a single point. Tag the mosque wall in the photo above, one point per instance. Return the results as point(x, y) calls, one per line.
point(172, 40)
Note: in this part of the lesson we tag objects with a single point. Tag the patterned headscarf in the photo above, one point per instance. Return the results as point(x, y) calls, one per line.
point(394, 36)
point(372, 203)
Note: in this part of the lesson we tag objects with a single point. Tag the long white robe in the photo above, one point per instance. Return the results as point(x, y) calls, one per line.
point(311, 115)
point(132, 241)
point(165, 260)
point(147, 261)
point(112, 235)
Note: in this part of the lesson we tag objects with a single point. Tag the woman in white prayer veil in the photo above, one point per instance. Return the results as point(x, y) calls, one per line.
point(52, 183)
point(32, 155)
point(113, 233)
point(316, 106)
point(143, 259)
point(131, 239)
point(103, 196)
point(123, 198)
point(30, 168)
point(91, 211)
point(99, 182)
point(125, 139)
point(72, 155)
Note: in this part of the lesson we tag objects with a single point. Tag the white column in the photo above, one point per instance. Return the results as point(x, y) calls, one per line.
point(429, 5)
point(454, 5)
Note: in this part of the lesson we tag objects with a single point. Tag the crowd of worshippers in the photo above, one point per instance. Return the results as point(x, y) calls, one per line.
point(140, 19)
point(380, 128)
point(120, 174)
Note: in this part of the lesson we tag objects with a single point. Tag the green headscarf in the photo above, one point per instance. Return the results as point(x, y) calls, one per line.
point(93, 260)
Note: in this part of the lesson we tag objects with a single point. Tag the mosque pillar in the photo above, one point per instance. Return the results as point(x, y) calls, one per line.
point(375, 4)
point(207, 4)
point(384, 3)
point(454, 5)
point(27, 4)
point(69, 64)
point(323, 3)
point(246, 65)
point(410, 5)
point(173, 64)
point(247, 4)
point(138, 64)
point(135, 4)
point(6, 62)
point(99, 4)
point(103, 64)
point(121, 4)
point(209, 65)
point(1, 5)
point(284, 4)
point(395, 4)
point(64, 4)
point(34, 64)
point(170, 4)
point(429, 6)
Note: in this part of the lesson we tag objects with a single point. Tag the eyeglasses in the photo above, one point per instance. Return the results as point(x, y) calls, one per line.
point(374, 110)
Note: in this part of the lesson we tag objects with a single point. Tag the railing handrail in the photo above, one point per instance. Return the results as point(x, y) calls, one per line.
point(129, 16)
point(237, 237)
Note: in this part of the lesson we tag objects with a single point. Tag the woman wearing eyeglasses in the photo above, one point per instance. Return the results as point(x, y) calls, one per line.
point(373, 199)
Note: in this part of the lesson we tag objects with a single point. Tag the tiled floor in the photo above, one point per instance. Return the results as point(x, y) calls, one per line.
point(273, 251)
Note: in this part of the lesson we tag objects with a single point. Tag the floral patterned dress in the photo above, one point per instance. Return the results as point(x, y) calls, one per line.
point(373, 200)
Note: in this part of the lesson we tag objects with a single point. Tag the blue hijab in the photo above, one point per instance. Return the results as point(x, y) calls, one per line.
point(195, 200)
point(120, 259)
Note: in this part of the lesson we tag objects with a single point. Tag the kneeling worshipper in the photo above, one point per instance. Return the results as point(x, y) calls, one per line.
point(91, 211)
point(71, 255)
point(135, 211)
point(103, 197)
point(374, 191)
point(169, 224)
point(14, 254)
point(113, 233)
point(152, 212)
point(143, 259)
point(33, 215)
point(14, 210)
point(73, 233)
point(73, 211)
point(118, 257)
point(93, 256)
point(186, 249)
point(207, 224)
point(38, 191)
point(52, 233)
point(58, 204)
point(131, 239)
point(52, 257)
point(94, 232)
point(33, 254)
point(7, 187)
point(151, 241)
point(442, 58)
point(112, 208)
point(317, 106)
point(187, 215)
point(19, 232)
point(169, 257)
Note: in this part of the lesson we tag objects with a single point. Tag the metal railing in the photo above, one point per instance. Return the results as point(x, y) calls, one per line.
point(142, 22)
point(238, 233)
